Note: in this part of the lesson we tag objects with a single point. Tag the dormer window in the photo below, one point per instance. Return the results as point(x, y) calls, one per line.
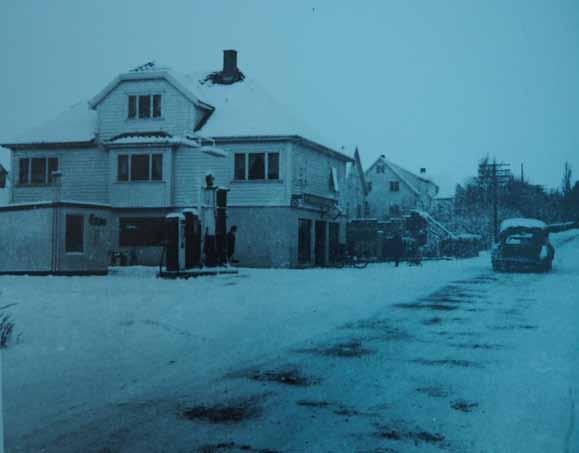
point(145, 106)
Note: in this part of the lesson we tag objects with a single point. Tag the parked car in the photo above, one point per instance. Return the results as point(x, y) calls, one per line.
point(523, 245)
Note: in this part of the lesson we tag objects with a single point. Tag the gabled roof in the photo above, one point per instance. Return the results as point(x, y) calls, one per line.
point(77, 124)
point(404, 175)
point(150, 71)
point(239, 111)
point(357, 167)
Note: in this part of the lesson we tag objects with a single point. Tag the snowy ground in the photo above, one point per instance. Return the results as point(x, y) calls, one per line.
point(443, 356)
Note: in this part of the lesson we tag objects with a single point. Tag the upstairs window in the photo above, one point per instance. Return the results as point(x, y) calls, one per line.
point(256, 166)
point(144, 106)
point(394, 186)
point(239, 166)
point(37, 170)
point(140, 167)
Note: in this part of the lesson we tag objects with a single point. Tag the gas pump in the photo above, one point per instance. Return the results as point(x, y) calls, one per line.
point(175, 228)
point(215, 224)
point(192, 238)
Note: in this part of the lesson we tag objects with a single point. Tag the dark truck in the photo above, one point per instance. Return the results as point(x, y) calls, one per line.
point(523, 246)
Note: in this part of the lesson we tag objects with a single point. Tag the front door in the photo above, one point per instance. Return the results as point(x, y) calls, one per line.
point(320, 248)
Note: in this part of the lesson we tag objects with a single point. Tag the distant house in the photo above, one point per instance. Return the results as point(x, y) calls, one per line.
point(140, 150)
point(395, 190)
point(355, 203)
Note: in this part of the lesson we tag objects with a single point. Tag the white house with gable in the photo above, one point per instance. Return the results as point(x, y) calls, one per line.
point(395, 190)
point(141, 148)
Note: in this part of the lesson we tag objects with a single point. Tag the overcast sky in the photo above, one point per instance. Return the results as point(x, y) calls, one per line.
point(431, 83)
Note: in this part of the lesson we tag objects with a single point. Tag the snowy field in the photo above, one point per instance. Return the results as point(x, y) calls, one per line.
point(112, 363)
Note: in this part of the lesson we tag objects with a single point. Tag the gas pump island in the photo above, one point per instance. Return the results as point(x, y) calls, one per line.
point(197, 238)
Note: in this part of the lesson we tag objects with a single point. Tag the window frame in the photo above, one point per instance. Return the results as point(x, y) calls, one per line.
point(394, 186)
point(267, 171)
point(151, 157)
point(47, 179)
point(153, 106)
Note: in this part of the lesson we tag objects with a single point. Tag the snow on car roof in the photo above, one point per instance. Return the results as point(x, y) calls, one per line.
point(522, 223)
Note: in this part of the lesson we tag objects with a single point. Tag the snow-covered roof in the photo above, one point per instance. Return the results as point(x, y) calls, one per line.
point(522, 223)
point(243, 109)
point(407, 177)
point(77, 124)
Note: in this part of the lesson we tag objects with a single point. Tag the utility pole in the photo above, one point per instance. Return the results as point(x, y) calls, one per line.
point(1, 409)
point(498, 174)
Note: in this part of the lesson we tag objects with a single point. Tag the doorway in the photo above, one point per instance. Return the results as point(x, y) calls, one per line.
point(320, 243)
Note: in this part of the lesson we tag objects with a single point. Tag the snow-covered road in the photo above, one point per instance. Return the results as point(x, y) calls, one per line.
point(443, 356)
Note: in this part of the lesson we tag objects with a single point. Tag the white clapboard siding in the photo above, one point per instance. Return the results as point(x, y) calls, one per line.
point(312, 171)
point(179, 115)
point(260, 193)
point(84, 176)
point(141, 194)
point(191, 167)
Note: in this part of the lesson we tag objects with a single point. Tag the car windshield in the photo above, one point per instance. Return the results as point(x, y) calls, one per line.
point(519, 239)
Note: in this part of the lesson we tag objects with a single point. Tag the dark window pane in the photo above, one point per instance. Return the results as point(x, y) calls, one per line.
point(239, 166)
point(257, 166)
point(38, 170)
point(304, 240)
point(52, 167)
point(123, 168)
point(157, 106)
point(394, 186)
point(74, 233)
point(24, 171)
point(132, 107)
point(141, 232)
point(273, 166)
point(157, 167)
point(139, 167)
point(144, 106)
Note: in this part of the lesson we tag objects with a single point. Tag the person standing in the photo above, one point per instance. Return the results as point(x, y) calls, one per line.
point(397, 248)
point(231, 243)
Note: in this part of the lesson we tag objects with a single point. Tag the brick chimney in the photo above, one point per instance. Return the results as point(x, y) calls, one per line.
point(230, 71)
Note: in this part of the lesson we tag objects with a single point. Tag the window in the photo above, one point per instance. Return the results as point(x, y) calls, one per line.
point(394, 186)
point(37, 170)
point(123, 168)
point(147, 106)
point(380, 168)
point(140, 167)
point(157, 167)
point(256, 166)
point(144, 106)
point(304, 241)
point(74, 234)
point(132, 107)
point(24, 171)
point(334, 186)
point(272, 165)
point(239, 166)
point(141, 231)
point(52, 168)
point(157, 106)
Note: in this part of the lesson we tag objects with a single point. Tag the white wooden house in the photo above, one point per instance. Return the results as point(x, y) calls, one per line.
point(141, 148)
point(395, 190)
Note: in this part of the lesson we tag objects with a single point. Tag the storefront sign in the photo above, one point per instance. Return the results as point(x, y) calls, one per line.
point(97, 221)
